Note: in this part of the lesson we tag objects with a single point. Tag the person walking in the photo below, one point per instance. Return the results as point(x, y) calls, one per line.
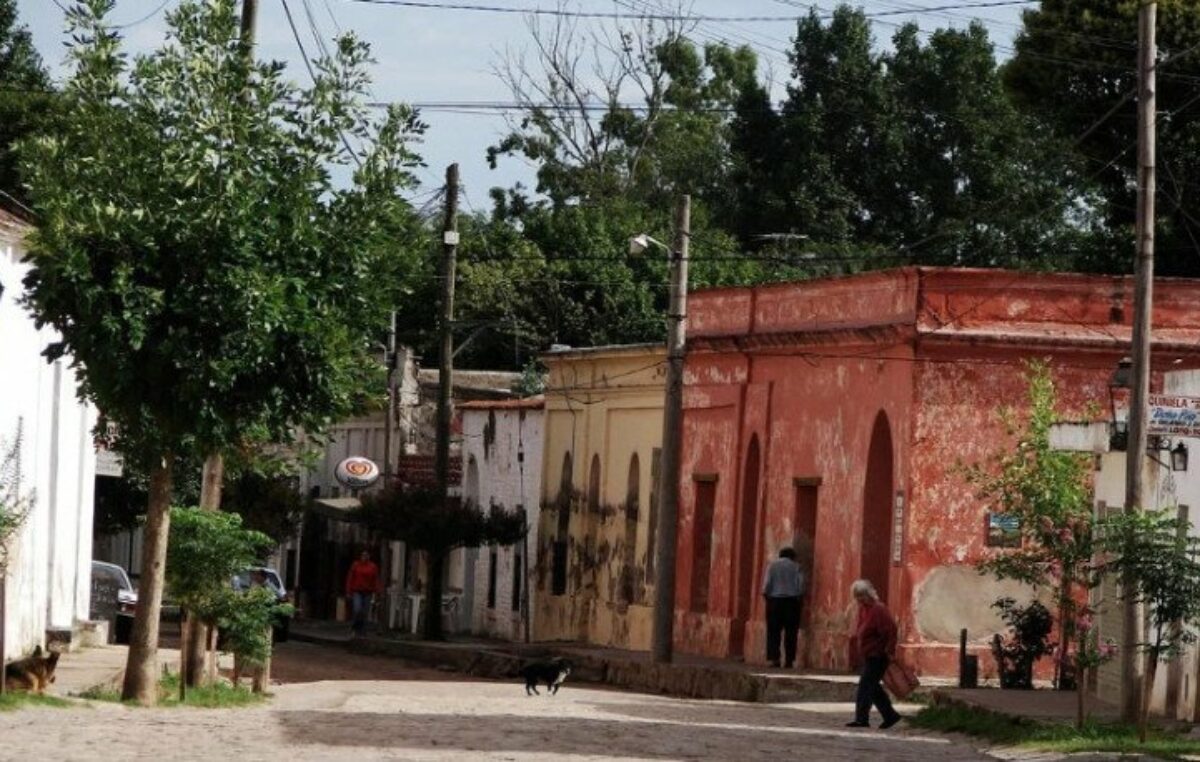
point(362, 583)
point(783, 587)
point(875, 644)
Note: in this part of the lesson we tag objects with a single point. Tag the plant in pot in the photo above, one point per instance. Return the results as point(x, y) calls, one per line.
point(1028, 640)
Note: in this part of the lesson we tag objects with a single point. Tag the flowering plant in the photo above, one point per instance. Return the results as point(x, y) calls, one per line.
point(1090, 650)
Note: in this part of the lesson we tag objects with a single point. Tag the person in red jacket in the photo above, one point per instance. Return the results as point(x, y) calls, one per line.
point(875, 642)
point(362, 583)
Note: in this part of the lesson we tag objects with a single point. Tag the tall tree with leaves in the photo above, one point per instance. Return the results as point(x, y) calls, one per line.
point(25, 97)
point(207, 275)
point(1075, 69)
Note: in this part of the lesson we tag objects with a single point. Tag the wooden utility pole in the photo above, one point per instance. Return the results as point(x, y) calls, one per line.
point(389, 425)
point(433, 610)
point(668, 500)
point(1143, 299)
point(249, 23)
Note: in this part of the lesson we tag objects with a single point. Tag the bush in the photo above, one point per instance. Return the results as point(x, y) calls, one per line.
point(245, 619)
point(1028, 641)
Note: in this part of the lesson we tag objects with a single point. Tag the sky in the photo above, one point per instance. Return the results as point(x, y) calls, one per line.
point(440, 56)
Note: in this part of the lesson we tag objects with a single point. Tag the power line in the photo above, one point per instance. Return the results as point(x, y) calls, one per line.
point(560, 12)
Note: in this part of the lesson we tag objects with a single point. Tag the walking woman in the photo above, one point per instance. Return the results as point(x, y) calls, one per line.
point(875, 639)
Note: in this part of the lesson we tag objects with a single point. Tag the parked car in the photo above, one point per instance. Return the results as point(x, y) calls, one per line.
point(106, 574)
point(261, 576)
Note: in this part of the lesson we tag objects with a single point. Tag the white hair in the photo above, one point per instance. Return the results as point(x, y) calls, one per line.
point(864, 587)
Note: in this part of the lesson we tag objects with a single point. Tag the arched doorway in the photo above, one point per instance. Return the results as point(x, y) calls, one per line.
point(876, 546)
point(747, 523)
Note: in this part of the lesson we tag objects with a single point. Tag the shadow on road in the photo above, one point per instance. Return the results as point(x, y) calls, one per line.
point(626, 736)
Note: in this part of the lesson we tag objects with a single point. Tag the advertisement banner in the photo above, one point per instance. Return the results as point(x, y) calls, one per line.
point(1172, 415)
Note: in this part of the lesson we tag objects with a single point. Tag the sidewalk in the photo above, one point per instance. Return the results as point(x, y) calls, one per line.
point(1040, 705)
point(687, 677)
point(80, 671)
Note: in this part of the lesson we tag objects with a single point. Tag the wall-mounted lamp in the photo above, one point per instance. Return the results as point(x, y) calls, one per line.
point(1179, 457)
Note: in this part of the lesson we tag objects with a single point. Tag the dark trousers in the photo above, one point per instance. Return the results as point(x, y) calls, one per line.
point(361, 607)
point(871, 692)
point(783, 619)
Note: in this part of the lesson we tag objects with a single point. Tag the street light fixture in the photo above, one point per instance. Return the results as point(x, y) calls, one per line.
point(1179, 457)
point(1119, 434)
point(639, 244)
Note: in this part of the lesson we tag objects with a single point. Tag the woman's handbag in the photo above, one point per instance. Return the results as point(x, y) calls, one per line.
point(900, 680)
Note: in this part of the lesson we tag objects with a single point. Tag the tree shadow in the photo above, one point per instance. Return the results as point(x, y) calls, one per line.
point(631, 737)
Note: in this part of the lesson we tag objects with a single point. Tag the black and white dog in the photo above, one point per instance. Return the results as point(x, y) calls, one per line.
point(552, 673)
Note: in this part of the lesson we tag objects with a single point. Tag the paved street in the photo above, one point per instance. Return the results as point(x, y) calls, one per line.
point(421, 714)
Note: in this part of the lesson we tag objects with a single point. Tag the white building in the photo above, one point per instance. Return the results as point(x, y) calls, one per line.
point(1177, 681)
point(502, 456)
point(48, 586)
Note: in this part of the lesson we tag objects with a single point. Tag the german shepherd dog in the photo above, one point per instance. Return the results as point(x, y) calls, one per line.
point(552, 673)
point(33, 674)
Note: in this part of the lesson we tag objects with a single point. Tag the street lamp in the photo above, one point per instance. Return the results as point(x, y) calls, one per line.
point(639, 243)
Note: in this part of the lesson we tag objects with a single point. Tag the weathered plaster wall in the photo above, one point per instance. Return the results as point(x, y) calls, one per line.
point(807, 369)
point(492, 439)
point(812, 424)
point(603, 408)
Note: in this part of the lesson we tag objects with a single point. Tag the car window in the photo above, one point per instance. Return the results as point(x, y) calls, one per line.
point(112, 576)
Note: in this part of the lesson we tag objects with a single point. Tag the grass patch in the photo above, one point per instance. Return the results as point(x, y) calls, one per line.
point(11, 702)
point(1093, 737)
point(219, 696)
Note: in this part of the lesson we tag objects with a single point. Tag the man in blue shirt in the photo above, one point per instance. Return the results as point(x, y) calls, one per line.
point(783, 586)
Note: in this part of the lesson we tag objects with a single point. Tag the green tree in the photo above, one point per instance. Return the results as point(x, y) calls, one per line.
point(418, 517)
point(211, 281)
point(1048, 492)
point(25, 98)
point(1156, 553)
point(1075, 61)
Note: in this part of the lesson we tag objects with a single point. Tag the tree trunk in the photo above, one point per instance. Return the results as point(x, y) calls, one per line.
point(262, 675)
point(184, 660)
point(1147, 693)
point(433, 595)
point(212, 480)
point(1080, 698)
point(1066, 633)
point(141, 668)
point(212, 655)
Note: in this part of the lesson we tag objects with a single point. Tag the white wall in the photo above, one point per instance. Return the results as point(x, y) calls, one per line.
point(504, 481)
point(1176, 682)
point(48, 584)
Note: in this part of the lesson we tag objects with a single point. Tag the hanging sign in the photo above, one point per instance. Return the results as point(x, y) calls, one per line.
point(356, 472)
point(1173, 415)
point(898, 529)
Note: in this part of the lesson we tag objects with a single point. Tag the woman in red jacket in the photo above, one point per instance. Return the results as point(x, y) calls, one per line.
point(362, 583)
point(875, 640)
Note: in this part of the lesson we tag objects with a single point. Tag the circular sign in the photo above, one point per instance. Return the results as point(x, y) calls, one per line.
point(356, 472)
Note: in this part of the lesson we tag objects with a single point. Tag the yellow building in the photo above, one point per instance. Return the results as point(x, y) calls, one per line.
point(603, 438)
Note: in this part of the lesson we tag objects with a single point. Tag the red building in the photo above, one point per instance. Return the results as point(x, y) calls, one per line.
point(833, 414)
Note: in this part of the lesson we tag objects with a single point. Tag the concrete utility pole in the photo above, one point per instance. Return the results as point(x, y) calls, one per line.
point(1143, 298)
point(668, 500)
point(446, 361)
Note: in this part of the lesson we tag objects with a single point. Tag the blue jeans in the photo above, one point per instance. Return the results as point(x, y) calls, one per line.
point(361, 606)
point(871, 692)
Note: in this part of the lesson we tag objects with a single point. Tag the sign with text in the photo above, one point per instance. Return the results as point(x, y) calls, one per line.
point(1173, 415)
